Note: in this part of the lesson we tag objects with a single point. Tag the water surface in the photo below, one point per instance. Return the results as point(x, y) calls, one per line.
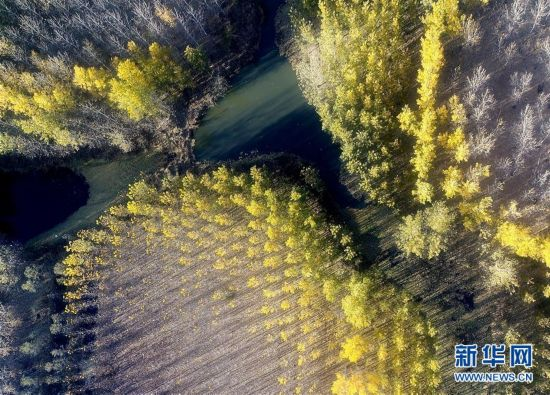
point(32, 202)
point(107, 182)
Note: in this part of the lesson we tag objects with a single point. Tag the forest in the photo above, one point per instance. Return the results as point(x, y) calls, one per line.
point(256, 269)
point(126, 75)
point(251, 251)
point(471, 148)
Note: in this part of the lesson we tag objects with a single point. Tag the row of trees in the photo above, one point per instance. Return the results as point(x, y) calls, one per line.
point(443, 20)
point(26, 302)
point(9, 322)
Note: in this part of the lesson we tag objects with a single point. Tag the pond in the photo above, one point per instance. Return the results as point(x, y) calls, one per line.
point(107, 182)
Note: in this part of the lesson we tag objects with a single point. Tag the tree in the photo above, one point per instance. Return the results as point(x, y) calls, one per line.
point(501, 271)
point(31, 348)
point(411, 237)
point(131, 91)
point(477, 212)
point(426, 233)
point(452, 182)
point(8, 277)
point(196, 58)
point(523, 243)
point(354, 348)
point(355, 305)
point(32, 277)
point(92, 79)
point(358, 384)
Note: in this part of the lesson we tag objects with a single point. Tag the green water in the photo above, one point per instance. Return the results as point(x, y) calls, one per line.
point(263, 97)
point(265, 113)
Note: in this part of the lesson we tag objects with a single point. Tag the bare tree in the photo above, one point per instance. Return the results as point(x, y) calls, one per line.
point(543, 100)
point(515, 14)
point(510, 52)
point(481, 143)
point(545, 132)
point(495, 187)
point(485, 101)
point(524, 134)
point(471, 31)
point(542, 179)
point(8, 323)
point(7, 377)
point(505, 165)
point(521, 83)
point(478, 78)
point(539, 12)
point(545, 50)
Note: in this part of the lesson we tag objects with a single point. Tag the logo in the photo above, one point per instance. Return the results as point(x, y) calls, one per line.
point(494, 355)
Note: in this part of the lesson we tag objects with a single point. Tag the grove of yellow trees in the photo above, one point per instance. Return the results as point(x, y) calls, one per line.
point(281, 246)
point(37, 106)
point(137, 83)
point(44, 101)
point(355, 69)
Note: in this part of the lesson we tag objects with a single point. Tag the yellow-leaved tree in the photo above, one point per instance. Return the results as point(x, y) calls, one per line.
point(38, 106)
point(523, 243)
point(426, 233)
point(360, 383)
point(443, 20)
point(354, 348)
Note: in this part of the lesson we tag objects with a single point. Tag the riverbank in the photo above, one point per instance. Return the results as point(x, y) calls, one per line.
point(109, 166)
